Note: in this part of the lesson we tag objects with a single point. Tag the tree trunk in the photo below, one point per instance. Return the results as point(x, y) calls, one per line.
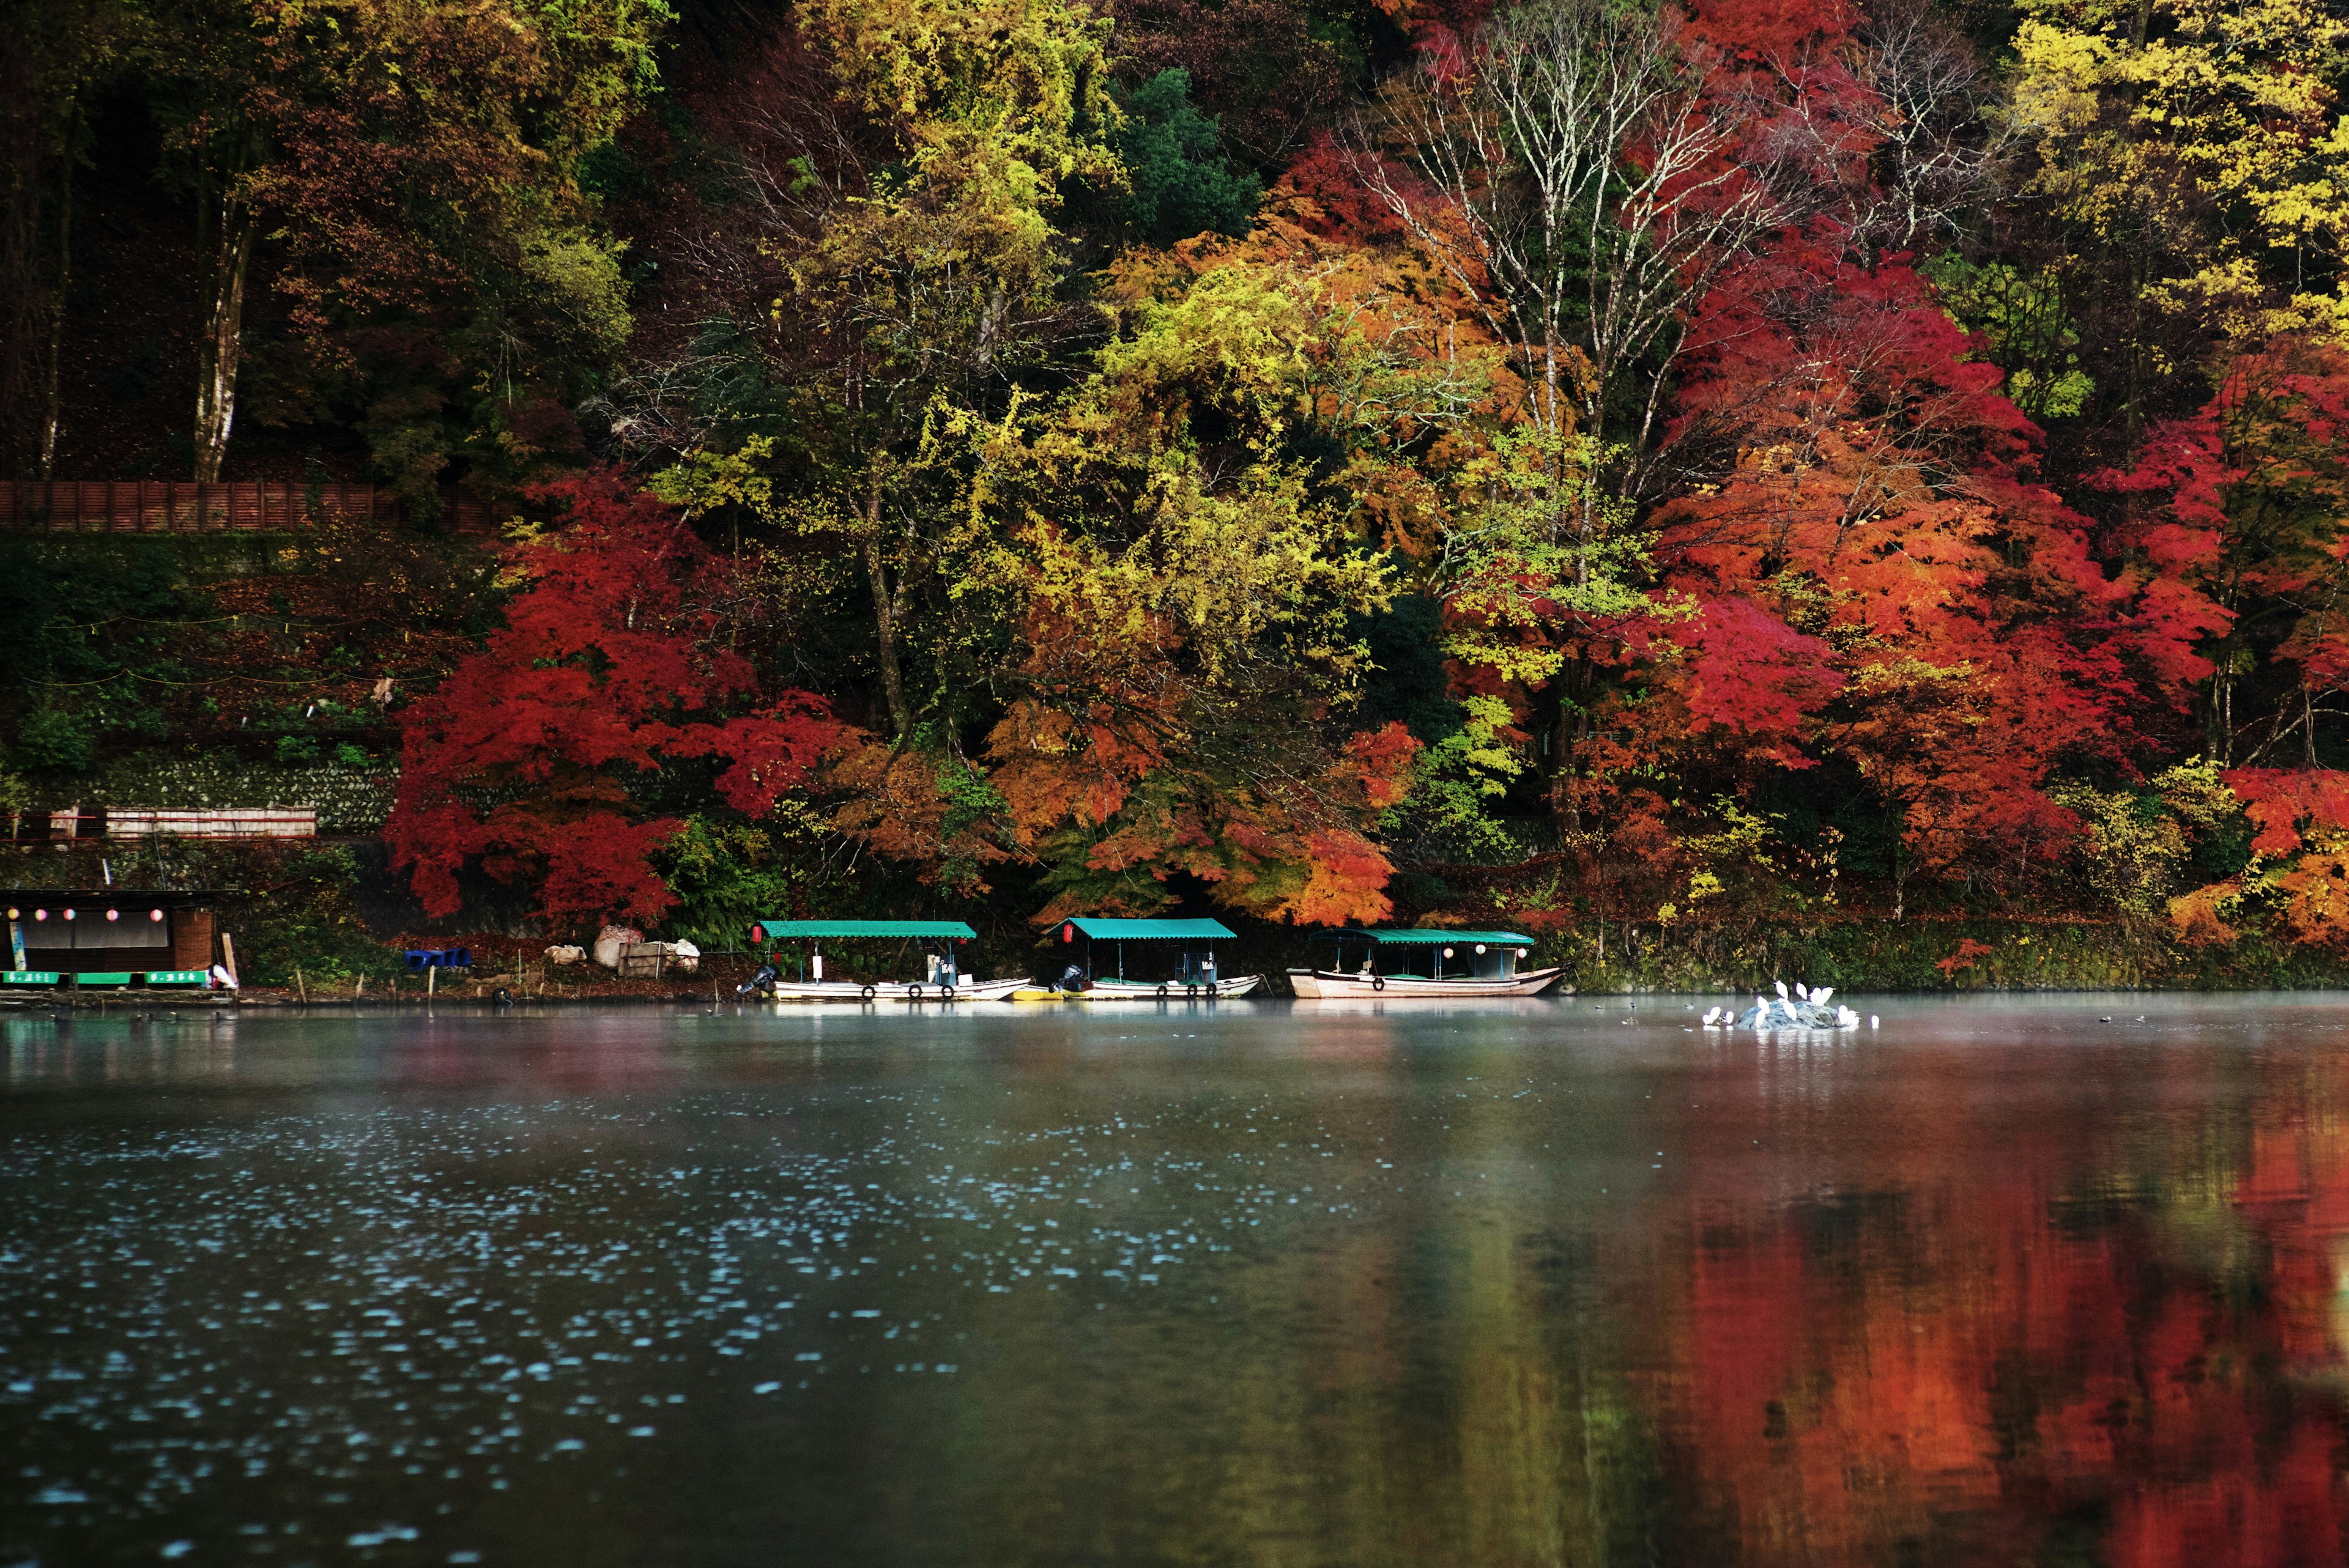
point(885, 615)
point(222, 346)
point(50, 417)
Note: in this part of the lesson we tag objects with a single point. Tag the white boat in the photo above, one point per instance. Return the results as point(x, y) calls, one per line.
point(1458, 963)
point(942, 980)
point(911, 990)
point(1094, 943)
point(1144, 990)
point(1316, 984)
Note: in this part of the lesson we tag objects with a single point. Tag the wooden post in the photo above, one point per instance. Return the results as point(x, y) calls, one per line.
point(431, 973)
point(228, 958)
point(300, 990)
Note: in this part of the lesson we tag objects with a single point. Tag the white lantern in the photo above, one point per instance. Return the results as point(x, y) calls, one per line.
point(1480, 950)
point(1448, 953)
point(114, 915)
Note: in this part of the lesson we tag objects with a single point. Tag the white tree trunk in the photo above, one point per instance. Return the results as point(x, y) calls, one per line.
point(222, 346)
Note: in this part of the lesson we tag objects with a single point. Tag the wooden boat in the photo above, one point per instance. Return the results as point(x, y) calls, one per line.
point(942, 980)
point(1144, 991)
point(1459, 964)
point(1093, 944)
point(884, 991)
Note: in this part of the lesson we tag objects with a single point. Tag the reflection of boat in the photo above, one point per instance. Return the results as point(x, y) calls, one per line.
point(1486, 966)
point(1195, 976)
point(942, 979)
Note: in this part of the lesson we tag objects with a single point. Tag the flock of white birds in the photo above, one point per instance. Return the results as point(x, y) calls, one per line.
point(1804, 1009)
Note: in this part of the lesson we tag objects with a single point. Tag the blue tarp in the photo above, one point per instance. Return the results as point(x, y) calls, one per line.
point(1429, 938)
point(1147, 930)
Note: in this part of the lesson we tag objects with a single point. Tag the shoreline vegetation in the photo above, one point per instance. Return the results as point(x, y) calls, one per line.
point(1866, 504)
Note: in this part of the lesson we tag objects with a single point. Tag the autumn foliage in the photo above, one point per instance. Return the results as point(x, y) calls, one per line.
point(1592, 466)
point(611, 666)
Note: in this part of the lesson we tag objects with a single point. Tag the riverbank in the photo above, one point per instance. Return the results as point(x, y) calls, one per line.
point(1934, 954)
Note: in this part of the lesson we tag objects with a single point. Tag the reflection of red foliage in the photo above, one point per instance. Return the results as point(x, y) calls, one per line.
point(1980, 1351)
point(607, 664)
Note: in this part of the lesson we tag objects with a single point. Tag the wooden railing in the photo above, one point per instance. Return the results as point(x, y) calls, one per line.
point(184, 506)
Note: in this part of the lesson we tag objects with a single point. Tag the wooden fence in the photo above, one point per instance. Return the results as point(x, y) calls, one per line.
point(68, 824)
point(184, 506)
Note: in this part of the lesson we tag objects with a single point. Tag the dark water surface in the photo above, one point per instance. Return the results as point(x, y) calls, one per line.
point(1498, 1283)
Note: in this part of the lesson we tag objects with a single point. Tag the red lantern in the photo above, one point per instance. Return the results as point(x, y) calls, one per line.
point(1068, 933)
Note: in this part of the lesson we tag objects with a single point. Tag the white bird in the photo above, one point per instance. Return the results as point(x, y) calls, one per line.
point(1709, 1014)
point(1781, 991)
point(1845, 1018)
point(1802, 990)
point(1871, 1021)
point(1822, 994)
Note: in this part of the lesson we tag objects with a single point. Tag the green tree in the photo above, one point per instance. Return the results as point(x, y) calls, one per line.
point(1181, 185)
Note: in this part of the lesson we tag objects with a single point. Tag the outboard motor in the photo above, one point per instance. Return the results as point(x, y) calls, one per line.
point(1073, 979)
point(762, 982)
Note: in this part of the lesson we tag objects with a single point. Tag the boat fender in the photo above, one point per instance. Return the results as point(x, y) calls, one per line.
point(1190, 990)
point(868, 992)
point(1211, 990)
point(913, 993)
point(1377, 982)
point(945, 993)
point(1162, 988)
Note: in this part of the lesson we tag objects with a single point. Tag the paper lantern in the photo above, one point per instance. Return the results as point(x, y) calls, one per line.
point(114, 915)
point(69, 914)
point(40, 914)
point(154, 915)
point(1448, 953)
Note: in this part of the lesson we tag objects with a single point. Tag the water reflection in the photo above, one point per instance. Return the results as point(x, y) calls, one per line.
point(1538, 1283)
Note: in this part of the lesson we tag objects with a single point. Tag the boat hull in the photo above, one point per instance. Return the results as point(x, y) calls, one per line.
point(1143, 991)
point(910, 992)
point(1317, 985)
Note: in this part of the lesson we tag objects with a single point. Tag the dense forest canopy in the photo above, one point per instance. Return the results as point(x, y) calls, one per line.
point(1563, 461)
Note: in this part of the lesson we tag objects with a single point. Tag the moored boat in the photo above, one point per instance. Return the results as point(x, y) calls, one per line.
point(941, 981)
point(889, 991)
point(1146, 991)
point(1193, 975)
point(1459, 964)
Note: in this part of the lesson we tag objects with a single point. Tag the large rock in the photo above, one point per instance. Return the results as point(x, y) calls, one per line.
point(612, 940)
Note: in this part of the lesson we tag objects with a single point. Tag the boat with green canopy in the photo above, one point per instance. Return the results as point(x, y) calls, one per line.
point(1423, 963)
point(1172, 959)
point(936, 940)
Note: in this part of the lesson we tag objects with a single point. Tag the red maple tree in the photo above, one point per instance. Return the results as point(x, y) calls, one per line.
point(611, 665)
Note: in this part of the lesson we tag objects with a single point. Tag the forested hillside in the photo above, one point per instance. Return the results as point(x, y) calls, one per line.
point(1680, 481)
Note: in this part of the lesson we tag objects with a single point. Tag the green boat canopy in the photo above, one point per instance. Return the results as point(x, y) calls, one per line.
point(1147, 930)
point(847, 930)
point(1431, 938)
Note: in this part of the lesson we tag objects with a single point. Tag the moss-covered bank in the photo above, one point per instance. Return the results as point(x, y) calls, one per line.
point(1940, 953)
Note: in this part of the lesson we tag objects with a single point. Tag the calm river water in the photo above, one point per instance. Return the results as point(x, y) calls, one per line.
point(1505, 1284)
